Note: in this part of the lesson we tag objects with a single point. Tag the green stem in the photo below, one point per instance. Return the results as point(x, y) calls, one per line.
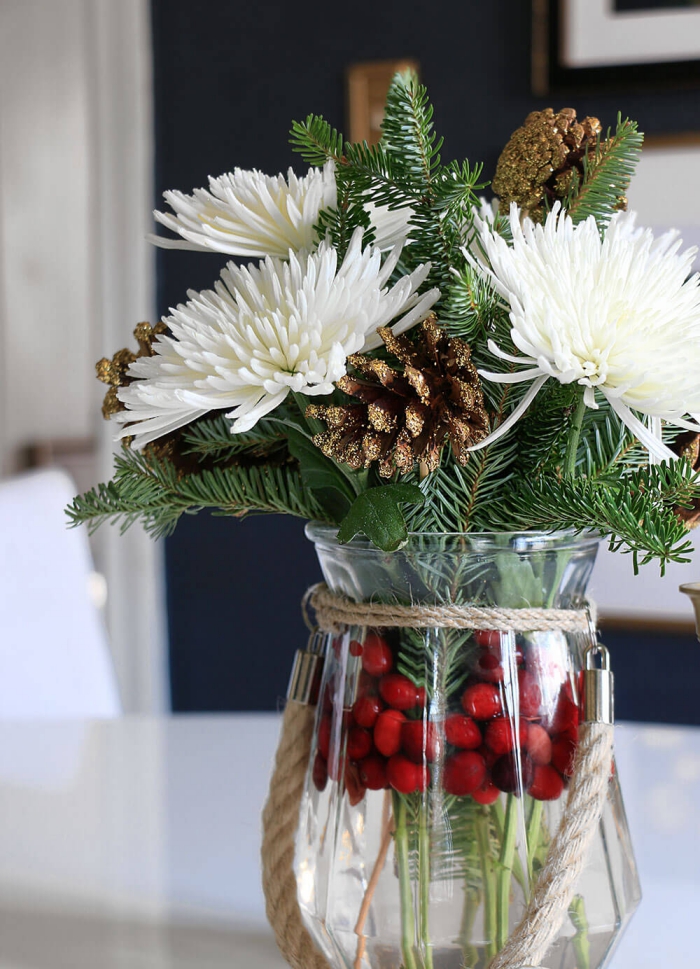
point(582, 945)
point(470, 954)
point(499, 820)
point(574, 437)
point(534, 830)
point(489, 880)
point(408, 923)
point(505, 869)
point(424, 885)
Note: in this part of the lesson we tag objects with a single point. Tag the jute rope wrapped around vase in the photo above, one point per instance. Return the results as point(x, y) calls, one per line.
point(554, 889)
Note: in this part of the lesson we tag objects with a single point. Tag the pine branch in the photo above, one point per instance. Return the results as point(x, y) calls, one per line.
point(212, 437)
point(150, 490)
point(606, 175)
point(635, 511)
point(316, 141)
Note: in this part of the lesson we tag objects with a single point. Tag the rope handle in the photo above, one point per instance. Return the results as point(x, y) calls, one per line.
point(549, 902)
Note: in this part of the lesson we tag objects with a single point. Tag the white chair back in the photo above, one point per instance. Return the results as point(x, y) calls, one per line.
point(54, 656)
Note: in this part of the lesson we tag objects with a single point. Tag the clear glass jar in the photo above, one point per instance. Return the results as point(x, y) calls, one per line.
point(441, 758)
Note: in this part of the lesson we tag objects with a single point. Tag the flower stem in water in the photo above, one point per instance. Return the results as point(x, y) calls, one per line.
point(489, 882)
point(424, 883)
point(472, 899)
point(408, 922)
point(499, 820)
point(505, 869)
point(582, 945)
point(534, 831)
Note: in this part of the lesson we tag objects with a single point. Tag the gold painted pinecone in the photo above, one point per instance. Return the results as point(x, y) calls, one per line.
point(544, 159)
point(406, 414)
point(115, 371)
point(688, 446)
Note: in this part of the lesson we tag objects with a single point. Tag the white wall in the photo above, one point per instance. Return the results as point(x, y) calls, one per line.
point(75, 272)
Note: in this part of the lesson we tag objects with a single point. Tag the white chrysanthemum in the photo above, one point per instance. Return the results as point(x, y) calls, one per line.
point(266, 330)
point(390, 225)
point(248, 213)
point(619, 315)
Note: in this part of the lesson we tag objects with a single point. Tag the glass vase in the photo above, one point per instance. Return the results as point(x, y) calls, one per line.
point(440, 762)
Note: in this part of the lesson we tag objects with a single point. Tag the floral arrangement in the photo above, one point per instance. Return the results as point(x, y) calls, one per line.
point(406, 356)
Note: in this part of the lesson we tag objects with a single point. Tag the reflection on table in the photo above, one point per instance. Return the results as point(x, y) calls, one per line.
point(134, 843)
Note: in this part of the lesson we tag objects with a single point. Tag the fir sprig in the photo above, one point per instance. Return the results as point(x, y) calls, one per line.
point(637, 512)
point(150, 490)
point(606, 175)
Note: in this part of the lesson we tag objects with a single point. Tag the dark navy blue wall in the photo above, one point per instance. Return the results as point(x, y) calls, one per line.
point(229, 78)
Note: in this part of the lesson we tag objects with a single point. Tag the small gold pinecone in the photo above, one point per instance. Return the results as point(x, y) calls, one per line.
point(544, 159)
point(406, 414)
point(688, 446)
point(115, 371)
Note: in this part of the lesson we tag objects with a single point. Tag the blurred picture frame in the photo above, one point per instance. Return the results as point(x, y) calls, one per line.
point(367, 85)
point(596, 45)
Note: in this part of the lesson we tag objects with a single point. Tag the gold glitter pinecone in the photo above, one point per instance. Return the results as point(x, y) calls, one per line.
point(406, 414)
point(115, 371)
point(688, 446)
point(544, 159)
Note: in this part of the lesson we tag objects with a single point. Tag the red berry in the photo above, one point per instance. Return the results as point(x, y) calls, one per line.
point(377, 658)
point(563, 752)
point(461, 731)
point(373, 772)
point(530, 694)
point(355, 648)
point(500, 736)
point(482, 701)
point(366, 709)
point(489, 757)
point(486, 794)
point(421, 696)
point(464, 772)
point(319, 772)
point(546, 783)
point(538, 744)
point(324, 736)
point(565, 713)
point(397, 691)
point(387, 732)
point(420, 740)
point(488, 668)
point(366, 684)
point(354, 788)
point(512, 773)
point(405, 776)
point(359, 743)
point(490, 638)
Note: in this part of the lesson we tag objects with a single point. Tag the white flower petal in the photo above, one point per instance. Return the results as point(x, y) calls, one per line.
point(621, 314)
point(514, 417)
point(265, 330)
point(247, 213)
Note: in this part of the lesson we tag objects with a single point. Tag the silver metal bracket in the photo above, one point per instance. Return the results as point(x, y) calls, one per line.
point(305, 678)
point(598, 686)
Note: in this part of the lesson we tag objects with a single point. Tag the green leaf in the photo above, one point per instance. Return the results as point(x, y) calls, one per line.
point(376, 514)
point(321, 476)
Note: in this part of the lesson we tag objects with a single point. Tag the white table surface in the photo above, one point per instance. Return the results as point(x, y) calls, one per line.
point(134, 843)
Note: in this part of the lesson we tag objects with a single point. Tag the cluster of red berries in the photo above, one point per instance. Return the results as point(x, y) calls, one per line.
point(386, 741)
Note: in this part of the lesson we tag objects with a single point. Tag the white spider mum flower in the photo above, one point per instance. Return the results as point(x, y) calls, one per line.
point(619, 315)
point(267, 330)
point(248, 213)
point(390, 225)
